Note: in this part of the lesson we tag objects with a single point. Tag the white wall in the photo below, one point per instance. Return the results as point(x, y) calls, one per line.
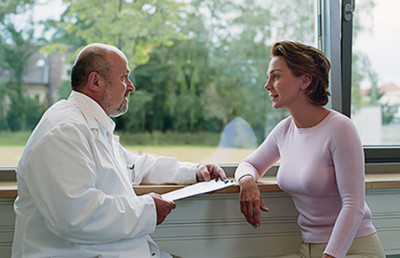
point(212, 226)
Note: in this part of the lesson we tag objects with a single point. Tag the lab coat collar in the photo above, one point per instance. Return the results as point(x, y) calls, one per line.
point(92, 111)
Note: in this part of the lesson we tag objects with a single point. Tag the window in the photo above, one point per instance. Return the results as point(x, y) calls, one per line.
point(199, 68)
point(374, 83)
point(375, 76)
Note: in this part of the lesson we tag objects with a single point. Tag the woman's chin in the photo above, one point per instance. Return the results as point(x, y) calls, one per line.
point(276, 106)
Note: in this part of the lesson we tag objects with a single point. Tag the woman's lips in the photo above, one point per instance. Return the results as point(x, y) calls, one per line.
point(273, 96)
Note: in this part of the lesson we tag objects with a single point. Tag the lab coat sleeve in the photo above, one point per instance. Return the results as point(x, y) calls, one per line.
point(62, 184)
point(152, 169)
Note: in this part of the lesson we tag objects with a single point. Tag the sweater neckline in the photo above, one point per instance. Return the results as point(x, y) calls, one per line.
point(315, 127)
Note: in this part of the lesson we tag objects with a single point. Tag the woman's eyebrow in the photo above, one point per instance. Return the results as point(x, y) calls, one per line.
point(274, 70)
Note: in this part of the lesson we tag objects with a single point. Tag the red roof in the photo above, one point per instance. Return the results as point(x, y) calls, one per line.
point(389, 87)
point(364, 92)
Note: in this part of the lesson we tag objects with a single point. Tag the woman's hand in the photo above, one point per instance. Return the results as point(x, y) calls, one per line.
point(327, 256)
point(250, 201)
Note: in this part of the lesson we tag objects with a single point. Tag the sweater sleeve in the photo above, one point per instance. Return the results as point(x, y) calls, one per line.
point(266, 155)
point(348, 160)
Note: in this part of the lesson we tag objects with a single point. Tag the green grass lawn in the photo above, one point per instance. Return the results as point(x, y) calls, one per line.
point(13, 138)
point(155, 138)
point(203, 149)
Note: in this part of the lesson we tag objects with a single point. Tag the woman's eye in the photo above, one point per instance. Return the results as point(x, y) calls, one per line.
point(272, 77)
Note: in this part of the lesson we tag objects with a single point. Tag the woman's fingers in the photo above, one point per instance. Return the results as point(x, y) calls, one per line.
point(251, 203)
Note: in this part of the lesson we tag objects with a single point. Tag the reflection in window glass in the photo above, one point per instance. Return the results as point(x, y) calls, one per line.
point(199, 68)
point(375, 75)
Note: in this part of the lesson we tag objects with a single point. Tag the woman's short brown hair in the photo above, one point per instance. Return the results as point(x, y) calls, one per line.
point(302, 59)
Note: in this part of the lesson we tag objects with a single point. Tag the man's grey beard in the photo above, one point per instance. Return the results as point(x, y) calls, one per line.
point(121, 110)
point(107, 104)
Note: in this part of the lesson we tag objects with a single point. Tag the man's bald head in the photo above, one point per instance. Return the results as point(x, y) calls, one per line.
point(92, 58)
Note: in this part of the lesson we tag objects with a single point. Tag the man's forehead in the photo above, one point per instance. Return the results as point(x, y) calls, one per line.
point(118, 61)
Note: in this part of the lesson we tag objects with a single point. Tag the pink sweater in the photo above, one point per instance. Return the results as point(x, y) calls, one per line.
point(322, 168)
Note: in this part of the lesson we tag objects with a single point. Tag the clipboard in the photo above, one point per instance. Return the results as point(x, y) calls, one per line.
point(198, 188)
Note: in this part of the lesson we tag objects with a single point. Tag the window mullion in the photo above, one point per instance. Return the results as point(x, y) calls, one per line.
point(328, 13)
point(346, 54)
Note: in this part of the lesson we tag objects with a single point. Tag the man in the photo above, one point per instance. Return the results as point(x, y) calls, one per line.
point(75, 195)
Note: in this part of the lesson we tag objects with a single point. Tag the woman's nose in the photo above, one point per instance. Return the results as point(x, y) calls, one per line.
point(267, 86)
point(131, 87)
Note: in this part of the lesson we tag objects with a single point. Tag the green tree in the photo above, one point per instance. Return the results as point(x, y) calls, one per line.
point(135, 27)
point(242, 56)
point(196, 64)
point(16, 47)
point(361, 64)
point(10, 7)
point(135, 120)
point(177, 76)
point(216, 73)
point(15, 56)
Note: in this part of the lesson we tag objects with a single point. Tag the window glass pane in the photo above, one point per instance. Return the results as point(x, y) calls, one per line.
point(199, 68)
point(375, 74)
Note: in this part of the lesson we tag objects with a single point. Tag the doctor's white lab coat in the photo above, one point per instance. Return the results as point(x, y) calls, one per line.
point(75, 195)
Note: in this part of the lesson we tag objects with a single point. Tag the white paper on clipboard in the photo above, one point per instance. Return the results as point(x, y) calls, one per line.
point(198, 188)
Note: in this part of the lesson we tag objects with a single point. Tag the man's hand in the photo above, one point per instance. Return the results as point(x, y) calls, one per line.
point(250, 201)
point(163, 207)
point(208, 172)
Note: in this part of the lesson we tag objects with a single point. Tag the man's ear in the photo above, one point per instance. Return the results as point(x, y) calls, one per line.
point(306, 80)
point(94, 82)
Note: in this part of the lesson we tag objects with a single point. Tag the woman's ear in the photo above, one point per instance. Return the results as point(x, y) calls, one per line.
point(94, 82)
point(306, 80)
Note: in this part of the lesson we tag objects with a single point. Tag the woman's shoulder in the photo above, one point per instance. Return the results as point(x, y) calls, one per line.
point(282, 128)
point(337, 118)
point(286, 121)
point(339, 123)
point(284, 124)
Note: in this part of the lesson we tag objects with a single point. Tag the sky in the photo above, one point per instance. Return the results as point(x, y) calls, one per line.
point(42, 10)
point(382, 44)
point(45, 9)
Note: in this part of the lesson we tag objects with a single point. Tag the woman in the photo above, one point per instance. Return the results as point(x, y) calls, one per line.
point(321, 160)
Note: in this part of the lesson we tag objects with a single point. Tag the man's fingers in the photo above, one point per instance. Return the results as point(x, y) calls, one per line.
point(172, 205)
point(206, 175)
point(202, 173)
point(209, 171)
point(216, 171)
point(163, 207)
point(221, 173)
